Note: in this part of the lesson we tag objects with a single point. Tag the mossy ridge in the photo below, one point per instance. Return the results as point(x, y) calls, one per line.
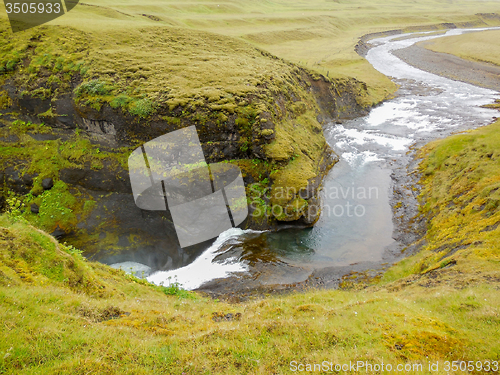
point(56, 306)
point(31, 256)
point(461, 199)
point(265, 101)
point(180, 68)
point(332, 24)
point(318, 34)
point(42, 63)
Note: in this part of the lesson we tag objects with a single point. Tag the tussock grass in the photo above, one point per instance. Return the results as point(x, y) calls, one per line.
point(317, 34)
point(461, 181)
point(63, 314)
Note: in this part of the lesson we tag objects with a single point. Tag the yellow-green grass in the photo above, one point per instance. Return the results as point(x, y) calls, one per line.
point(481, 46)
point(441, 304)
point(63, 315)
point(319, 34)
point(160, 64)
point(461, 198)
point(54, 305)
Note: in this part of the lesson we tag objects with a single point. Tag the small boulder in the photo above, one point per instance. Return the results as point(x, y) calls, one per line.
point(47, 183)
point(28, 180)
point(34, 208)
point(58, 233)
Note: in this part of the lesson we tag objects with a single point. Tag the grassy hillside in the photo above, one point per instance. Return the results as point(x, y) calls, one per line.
point(319, 34)
point(62, 314)
point(481, 46)
point(461, 179)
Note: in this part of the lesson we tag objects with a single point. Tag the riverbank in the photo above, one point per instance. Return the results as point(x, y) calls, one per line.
point(460, 179)
point(80, 316)
point(476, 73)
point(472, 46)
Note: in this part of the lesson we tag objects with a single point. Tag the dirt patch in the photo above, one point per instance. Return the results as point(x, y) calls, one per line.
point(220, 316)
point(95, 314)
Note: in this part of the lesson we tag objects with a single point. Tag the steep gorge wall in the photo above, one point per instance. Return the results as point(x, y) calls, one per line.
point(273, 132)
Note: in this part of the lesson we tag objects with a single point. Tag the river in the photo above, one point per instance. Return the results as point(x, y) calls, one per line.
point(356, 226)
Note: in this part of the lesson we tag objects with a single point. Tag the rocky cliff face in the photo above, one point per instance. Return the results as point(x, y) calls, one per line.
point(76, 122)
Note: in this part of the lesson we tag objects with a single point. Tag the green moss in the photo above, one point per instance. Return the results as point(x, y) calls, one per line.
point(88, 206)
point(5, 101)
point(222, 117)
point(50, 60)
point(38, 258)
point(291, 211)
point(41, 93)
point(48, 113)
point(93, 88)
point(242, 122)
point(19, 127)
point(267, 132)
point(121, 100)
point(142, 107)
point(58, 206)
point(460, 198)
point(299, 108)
point(245, 144)
point(172, 120)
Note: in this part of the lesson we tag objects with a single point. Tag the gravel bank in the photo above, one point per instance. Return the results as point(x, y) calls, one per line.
point(449, 66)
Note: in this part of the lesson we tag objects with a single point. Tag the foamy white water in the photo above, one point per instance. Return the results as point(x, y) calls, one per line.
point(438, 106)
point(133, 268)
point(204, 268)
